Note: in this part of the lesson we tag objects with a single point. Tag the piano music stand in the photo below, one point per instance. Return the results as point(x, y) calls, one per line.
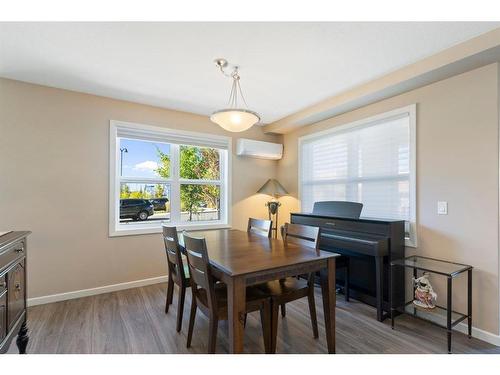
point(350, 210)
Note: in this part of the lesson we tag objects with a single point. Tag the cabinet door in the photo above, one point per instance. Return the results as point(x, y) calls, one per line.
point(15, 293)
point(3, 316)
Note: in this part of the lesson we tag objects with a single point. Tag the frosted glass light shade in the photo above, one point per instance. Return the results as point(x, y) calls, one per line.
point(235, 120)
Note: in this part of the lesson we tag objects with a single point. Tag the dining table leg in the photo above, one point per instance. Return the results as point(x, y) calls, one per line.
point(329, 302)
point(236, 298)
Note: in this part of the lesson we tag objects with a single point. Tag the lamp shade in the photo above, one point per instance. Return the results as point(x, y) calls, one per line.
point(272, 187)
point(235, 120)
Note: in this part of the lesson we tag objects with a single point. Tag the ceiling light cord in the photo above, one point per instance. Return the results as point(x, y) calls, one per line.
point(241, 93)
point(235, 89)
point(232, 94)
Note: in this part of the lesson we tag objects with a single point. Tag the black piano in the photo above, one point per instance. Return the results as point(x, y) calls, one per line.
point(370, 245)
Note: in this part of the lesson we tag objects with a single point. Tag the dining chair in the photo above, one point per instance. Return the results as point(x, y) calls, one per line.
point(178, 272)
point(211, 297)
point(292, 288)
point(340, 262)
point(260, 227)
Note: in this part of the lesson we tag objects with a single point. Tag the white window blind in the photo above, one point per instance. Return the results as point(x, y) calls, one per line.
point(369, 163)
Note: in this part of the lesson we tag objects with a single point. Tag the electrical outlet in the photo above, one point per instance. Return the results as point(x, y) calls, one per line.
point(442, 208)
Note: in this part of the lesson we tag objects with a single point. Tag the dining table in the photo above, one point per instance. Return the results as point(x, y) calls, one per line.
point(240, 259)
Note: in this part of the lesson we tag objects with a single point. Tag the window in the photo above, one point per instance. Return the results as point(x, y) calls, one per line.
point(166, 176)
point(370, 161)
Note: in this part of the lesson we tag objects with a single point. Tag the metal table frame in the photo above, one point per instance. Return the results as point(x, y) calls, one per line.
point(450, 323)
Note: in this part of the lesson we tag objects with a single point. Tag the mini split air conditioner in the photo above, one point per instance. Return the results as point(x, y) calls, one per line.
point(259, 149)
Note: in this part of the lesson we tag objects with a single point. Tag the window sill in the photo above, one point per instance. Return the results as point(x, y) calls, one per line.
point(153, 229)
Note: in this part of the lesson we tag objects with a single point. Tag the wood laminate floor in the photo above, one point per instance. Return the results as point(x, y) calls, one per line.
point(134, 321)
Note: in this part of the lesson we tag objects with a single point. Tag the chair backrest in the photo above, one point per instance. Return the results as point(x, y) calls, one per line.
point(199, 268)
point(174, 259)
point(302, 235)
point(260, 227)
point(350, 210)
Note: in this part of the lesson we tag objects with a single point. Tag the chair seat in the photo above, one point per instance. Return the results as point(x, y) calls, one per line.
point(282, 287)
point(254, 295)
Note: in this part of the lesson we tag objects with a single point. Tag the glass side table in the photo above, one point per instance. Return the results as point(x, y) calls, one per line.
point(439, 314)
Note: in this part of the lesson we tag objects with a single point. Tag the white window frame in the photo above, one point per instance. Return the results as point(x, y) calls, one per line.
point(411, 111)
point(166, 135)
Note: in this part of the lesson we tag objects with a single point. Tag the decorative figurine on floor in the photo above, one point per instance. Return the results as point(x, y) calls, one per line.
point(425, 297)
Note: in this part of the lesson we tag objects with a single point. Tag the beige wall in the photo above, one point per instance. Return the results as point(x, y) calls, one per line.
point(54, 155)
point(457, 161)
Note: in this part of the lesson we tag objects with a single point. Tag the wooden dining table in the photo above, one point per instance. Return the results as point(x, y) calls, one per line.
point(240, 259)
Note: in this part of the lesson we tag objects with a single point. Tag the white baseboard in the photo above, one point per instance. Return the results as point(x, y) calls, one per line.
point(479, 334)
point(93, 291)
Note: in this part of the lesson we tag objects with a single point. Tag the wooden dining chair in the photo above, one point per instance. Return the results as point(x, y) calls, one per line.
point(260, 227)
point(292, 288)
point(178, 272)
point(341, 262)
point(211, 297)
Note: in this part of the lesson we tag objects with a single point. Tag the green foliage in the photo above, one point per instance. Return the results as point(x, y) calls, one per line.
point(159, 191)
point(124, 191)
point(211, 168)
point(191, 195)
point(141, 193)
point(164, 167)
point(191, 199)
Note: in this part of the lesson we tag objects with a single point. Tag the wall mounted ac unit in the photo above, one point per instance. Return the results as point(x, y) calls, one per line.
point(259, 149)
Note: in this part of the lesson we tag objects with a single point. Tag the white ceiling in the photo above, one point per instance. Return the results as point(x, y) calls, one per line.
point(284, 66)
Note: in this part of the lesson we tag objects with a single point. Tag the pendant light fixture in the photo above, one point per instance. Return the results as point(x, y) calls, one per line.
point(234, 118)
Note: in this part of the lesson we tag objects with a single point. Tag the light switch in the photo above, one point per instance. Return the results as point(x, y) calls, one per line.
point(442, 208)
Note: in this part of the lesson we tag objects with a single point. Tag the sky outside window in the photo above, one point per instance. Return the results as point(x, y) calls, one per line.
point(142, 159)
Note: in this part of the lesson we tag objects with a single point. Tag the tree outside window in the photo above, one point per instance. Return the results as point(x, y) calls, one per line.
point(196, 163)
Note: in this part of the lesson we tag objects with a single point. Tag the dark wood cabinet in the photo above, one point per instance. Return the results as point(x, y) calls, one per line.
point(3, 315)
point(13, 247)
point(15, 293)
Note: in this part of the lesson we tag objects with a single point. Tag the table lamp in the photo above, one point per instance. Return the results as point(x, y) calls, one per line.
point(273, 188)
